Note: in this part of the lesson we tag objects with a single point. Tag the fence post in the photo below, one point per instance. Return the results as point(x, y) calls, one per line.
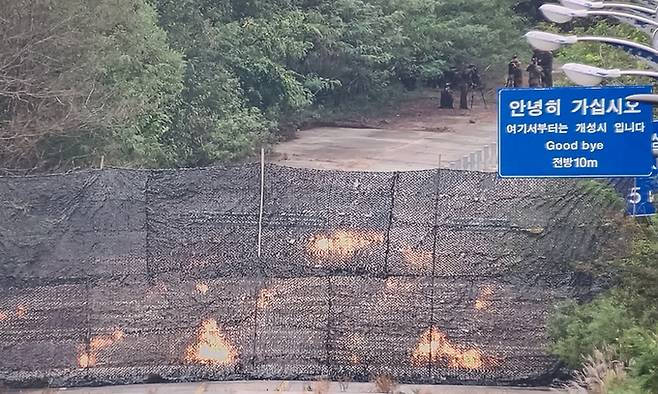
point(394, 186)
point(494, 155)
point(262, 200)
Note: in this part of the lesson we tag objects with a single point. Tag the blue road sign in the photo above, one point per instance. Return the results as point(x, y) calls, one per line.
point(640, 200)
point(574, 132)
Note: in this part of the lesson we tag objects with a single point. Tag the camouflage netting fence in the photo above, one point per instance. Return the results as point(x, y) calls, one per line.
point(120, 276)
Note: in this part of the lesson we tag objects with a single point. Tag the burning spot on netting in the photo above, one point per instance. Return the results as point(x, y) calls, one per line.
point(417, 258)
point(210, 347)
point(435, 347)
point(483, 302)
point(202, 288)
point(265, 298)
point(3, 316)
point(21, 311)
point(343, 243)
point(88, 357)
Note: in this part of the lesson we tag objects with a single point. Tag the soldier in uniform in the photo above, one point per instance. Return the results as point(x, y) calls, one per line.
point(458, 79)
point(474, 79)
point(447, 100)
point(545, 61)
point(514, 73)
point(535, 73)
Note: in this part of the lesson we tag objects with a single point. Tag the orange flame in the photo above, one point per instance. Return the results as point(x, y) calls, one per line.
point(343, 243)
point(417, 258)
point(202, 288)
point(21, 311)
point(435, 346)
point(89, 358)
point(211, 347)
point(484, 298)
point(265, 298)
point(470, 359)
point(3, 316)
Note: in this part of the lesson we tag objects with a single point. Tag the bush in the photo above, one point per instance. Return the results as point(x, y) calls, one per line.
point(579, 330)
point(623, 320)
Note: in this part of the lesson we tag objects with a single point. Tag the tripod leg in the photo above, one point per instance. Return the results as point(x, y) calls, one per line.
point(484, 100)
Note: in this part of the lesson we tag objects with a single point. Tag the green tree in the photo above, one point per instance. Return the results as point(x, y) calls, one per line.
point(80, 79)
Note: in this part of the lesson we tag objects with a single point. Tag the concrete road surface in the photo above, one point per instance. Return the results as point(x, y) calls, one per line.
point(259, 387)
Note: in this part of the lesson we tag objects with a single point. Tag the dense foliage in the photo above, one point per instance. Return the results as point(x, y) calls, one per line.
point(82, 78)
point(192, 82)
point(622, 322)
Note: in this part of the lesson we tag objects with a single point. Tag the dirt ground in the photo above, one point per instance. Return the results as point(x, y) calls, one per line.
point(417, 135)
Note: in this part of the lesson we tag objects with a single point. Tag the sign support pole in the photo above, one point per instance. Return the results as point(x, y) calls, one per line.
point(635, 188)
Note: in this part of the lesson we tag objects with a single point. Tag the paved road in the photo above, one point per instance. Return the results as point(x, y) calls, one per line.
point(258, 387)
point(410, 143)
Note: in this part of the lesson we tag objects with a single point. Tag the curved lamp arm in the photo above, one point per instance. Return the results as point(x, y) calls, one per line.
point(644, 98)
point(550, 42)
point(616, 14)
point(586, 75)
point(559, 14)
point(643, 51)
point(590, 5)
point(632, 7)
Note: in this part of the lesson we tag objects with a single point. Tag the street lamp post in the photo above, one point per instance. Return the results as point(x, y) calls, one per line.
point(591, 76)
point(559, 14)
point(586, 75)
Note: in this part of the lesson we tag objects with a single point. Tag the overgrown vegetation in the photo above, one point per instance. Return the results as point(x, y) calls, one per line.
point(194, 82)
point(600, 374)
point(83, 78)
point(624, 321)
